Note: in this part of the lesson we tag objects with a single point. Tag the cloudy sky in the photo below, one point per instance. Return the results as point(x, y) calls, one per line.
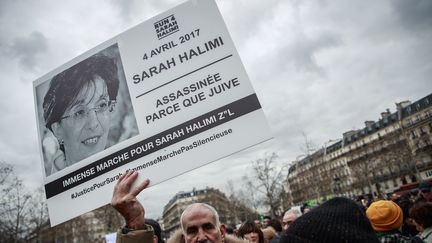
point(319, 67)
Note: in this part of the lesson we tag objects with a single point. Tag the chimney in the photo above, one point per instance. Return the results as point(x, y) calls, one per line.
point(385, 114)
point(400, 106)
point(369, 124)
point(348, 134)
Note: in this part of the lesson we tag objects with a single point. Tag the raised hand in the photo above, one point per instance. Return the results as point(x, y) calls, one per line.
point(125, 202)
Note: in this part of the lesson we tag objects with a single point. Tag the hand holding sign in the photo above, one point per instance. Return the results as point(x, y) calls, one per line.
point(125, 202)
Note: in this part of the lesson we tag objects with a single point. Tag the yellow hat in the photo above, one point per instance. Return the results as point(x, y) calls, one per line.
point(384, 215)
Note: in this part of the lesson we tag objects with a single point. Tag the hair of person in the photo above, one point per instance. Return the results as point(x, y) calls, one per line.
point(204, 205)
point(65, 87)
point(421, 212)
point(249, 226)
point(156, 228)
point(267, 217)
point(295, 211)
point(275, 224)
point(230, 229)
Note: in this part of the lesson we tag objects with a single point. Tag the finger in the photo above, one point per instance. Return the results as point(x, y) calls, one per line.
point(122, 177)
point(143, 185)
point(132, 175)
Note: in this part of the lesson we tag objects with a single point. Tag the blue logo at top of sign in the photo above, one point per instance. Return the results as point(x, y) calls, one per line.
point(166, 26)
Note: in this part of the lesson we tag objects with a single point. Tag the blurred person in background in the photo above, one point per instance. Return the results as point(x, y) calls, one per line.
point(266, 220)
point(421, 213)
point(289, 217)
point(251, 232)
point(272, 231)
point(386, 218)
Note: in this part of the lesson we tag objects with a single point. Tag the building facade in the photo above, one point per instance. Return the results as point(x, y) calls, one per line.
point(374, 160)
point(90, 227)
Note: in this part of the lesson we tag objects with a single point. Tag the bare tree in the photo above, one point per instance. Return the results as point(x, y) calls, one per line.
point(14, 206)
point(241, 199)
point(269, 176)
point(38, 214)
point(308, 147)
point(5, 171)
point(363, 170)
point(249, 194)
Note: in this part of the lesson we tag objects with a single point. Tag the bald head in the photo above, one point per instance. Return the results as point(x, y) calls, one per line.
point(197, 207)
point(200, 223)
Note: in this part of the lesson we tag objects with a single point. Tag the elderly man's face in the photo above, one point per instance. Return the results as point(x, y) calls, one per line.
point(287, 220)
point(199, 226)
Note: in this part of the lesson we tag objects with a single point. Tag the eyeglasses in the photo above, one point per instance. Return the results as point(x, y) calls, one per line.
point(102, 108)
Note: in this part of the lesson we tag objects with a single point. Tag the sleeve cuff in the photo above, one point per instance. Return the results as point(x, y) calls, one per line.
point(135, 236)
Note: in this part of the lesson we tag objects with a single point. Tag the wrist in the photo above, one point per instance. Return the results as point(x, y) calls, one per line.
point(136, 224)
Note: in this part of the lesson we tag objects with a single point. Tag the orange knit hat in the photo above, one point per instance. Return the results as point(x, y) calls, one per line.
point(384, 215)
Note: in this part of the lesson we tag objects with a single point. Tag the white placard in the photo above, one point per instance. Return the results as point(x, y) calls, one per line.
point(178, 98)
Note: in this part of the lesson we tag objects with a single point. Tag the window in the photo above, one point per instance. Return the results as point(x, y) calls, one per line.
point(395, 184)
point(418, 118)
point(408, 121)
point(413, 134)
point(422, 130)
point(418, 106)
point(386, 186)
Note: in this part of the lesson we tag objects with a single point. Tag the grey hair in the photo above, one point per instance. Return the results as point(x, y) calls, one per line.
point(293, 211)
point(205, 205)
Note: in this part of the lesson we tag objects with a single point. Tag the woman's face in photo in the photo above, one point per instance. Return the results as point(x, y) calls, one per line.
point(84, 126)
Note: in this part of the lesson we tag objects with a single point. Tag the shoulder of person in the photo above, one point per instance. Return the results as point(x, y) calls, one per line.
point(135, 236)
point(416, 239)
point(269, 232)
point(176, 237)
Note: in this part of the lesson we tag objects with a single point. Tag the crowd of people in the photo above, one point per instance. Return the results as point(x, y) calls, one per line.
point(401, 218)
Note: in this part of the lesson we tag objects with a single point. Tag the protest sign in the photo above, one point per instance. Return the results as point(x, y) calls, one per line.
point(165, 97)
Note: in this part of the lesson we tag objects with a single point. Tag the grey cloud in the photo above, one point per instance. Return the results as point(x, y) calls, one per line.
point(300, 54)
point(125, 7)
point(27, 49)
point(414, 14)
point(130, 9)
point(246, 17)
point(303, 51)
